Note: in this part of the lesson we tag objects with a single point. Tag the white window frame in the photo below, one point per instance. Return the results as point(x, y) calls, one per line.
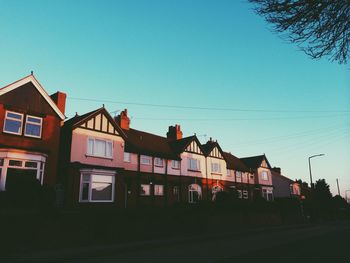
point(159, 162)
point(13, 119)
point(239, 193)
point(194, 162)
point(149, 190)
point(145, 157)
point(263, 173)
point(215, 168)
point(173, 166)
point(159, 190)
point(93, 154)
point(33, 123)
point(190, 193)
point(127, 157)
point(90, 173)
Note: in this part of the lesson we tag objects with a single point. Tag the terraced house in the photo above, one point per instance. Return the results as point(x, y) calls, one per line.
point(105, 162)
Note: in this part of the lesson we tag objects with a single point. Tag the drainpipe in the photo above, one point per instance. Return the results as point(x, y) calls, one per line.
point(166, 190)
point(138, 178)
point(206, 175)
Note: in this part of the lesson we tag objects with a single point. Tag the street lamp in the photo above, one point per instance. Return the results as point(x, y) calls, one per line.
point(346, 196)
point(316, 155)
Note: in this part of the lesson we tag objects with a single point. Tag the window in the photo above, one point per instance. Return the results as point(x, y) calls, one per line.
point(158, 189)
point(96, 188)
point(15, 163)
point(215, 168)
point(193, 164)
point(145, 160)
point(100, 148)
point(158, 162)
point(245, 194)
point(145, 189)
point(238, 174)
point(267, 194)
point(127, 157)
point(228, 172)
point(176, 190)
point(33, 126)
point(13, 122)
point(264, 176)
point(175, 164)
point(239, 194)
point(194, 193)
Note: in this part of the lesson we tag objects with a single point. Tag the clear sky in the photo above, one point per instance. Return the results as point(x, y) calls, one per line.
point(260, 93)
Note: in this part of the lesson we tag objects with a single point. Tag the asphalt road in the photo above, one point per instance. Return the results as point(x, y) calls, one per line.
point(327, 242)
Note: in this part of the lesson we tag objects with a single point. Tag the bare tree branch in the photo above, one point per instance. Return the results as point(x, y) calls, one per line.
point(319, 27)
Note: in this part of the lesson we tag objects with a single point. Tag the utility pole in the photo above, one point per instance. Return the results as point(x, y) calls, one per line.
point(338, 187)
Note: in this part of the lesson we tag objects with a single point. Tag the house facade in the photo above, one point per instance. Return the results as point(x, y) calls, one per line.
point(262, 175)
point(92, 148)
point(283, 186)
point(30, 122)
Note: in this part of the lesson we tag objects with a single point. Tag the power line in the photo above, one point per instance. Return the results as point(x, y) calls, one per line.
point(205, 108)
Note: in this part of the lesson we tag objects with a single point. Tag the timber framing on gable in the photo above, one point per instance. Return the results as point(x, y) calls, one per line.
point(216, 153)
point(100, 121)
point(194, 147)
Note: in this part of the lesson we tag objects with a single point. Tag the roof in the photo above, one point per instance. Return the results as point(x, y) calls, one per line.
point(180, 145)
point(254, 162)
point(149, 144)
point(209, 146)
point(79, 119)
point(235, 163)
point(274, 173)
point(37, 85)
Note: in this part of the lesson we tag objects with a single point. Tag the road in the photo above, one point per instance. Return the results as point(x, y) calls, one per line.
point(317, 243)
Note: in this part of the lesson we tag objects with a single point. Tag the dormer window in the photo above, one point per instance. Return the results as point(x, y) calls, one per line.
point(264, 176)
point(33, 126)
point(13, 122)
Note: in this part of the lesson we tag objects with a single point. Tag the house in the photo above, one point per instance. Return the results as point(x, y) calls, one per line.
point(30, 123)
point(242, 176)
point(262, 175)
point(151, 167)
point(218, 179)
point(92, 147)
point(283, 186)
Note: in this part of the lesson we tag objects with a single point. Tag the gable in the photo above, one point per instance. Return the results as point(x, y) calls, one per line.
point(216, 153)
point(27, 87)
point(194, 148)
point(99, 122)
point(26, 98)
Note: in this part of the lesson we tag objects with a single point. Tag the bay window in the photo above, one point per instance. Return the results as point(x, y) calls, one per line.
point(145, 190)
point(97, 187)
point(158, 189)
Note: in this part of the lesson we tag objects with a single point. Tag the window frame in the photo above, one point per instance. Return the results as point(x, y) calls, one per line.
point(158, 187)
point(217, 165)
point(93, 154)
point(33, 123)
point(245, 194)
point(198, 165)
point(127, 160)
point(145, 157)
point(177, 167)
point(156, 159)
point(90, 182)
point(262, 176)
point(13, 119)
point(149, 189)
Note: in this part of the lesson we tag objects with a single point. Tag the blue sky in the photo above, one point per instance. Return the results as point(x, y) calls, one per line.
point(217, 55)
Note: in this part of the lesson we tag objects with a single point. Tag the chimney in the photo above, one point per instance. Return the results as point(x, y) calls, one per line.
point(174, 132)
point(123, 120)
point(277, 169)
point(59, 98)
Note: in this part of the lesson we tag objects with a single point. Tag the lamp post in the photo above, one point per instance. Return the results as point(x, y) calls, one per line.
point(346, 196)
point(316, 155)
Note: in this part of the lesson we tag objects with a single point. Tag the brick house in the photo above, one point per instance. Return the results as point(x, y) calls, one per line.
point(30, 123)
